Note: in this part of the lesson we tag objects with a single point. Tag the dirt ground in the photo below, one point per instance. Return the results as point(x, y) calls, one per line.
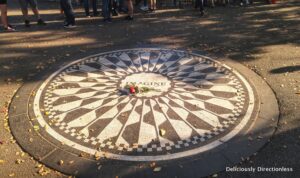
point(265, 38)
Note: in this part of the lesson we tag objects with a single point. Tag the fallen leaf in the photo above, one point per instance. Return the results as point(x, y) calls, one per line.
point(97, 155)
point(152, 164)
point(162, 132)
point(36, 127)
point(157, 169)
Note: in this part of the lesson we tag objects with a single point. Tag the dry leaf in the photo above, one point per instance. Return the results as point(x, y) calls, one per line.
point(157, 169)
point(162, 132)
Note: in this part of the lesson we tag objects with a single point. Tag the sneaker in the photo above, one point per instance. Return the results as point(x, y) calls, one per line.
point(144, 8)
point(69, 26)
point(10, 29)
point(151, 10)
point(41, 22)
point(27, 23)
point(128, 18)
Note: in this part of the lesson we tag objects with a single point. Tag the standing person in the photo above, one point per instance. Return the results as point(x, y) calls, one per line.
point(106, 7)
point(87, 7)
point(24, 7)
point(130, 10)
point(200, 3)
point(66, 6)
point(3, 7)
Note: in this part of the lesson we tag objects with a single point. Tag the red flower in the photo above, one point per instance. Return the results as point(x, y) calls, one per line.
point(132, 90)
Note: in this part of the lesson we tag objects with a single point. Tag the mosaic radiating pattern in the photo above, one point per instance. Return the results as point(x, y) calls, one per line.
point(194, 102)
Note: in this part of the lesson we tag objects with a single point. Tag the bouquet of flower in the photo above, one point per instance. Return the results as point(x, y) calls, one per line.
point(134, 89)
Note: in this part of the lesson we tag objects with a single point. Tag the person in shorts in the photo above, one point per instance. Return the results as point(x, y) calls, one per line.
point(3, 7)
point(24, 7)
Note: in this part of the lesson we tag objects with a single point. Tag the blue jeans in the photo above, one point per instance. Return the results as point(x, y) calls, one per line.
point(87, 7)
point(106, 4)
point(66, 6)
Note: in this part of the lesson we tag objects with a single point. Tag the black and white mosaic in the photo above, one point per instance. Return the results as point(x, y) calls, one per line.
point(197, 104)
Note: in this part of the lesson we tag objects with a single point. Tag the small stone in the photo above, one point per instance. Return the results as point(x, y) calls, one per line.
point(284, 146)
point(71, 162)
point(61, 162)
point(214, 175)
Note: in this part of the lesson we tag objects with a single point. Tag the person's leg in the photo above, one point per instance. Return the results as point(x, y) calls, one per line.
point(3, 8)
point(4, 20)
point(68, 11)
point(24, 9)
point(86, 7)
point(130, 10)
point(106, 10)
point(35, 10)
point(154, 4)
point(95, 10)
point(201, 6)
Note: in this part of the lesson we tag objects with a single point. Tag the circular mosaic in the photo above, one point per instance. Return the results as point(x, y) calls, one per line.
point(194, 104)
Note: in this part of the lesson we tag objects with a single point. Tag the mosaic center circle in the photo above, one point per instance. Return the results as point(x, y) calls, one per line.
point(153, 84)
point(192, 104)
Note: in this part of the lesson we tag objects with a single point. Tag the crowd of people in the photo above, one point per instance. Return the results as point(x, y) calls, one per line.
point(109, 8)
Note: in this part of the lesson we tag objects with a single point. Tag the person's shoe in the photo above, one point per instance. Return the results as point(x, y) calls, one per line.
point(69, 25)
point(96, 14)
point(9, 28)
point(108, 20)
point(41, 22)
point(27, 23)
point(151, 10)
point(128, 17)
point(144, 8)
point(201, 13)
point(114, 13)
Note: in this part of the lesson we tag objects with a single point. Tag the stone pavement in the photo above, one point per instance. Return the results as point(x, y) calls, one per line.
point(263, 37)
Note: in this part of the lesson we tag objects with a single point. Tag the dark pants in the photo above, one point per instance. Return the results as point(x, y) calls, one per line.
point(106, 5)
point(87, 7)
point(199, 3)
point(66, 6)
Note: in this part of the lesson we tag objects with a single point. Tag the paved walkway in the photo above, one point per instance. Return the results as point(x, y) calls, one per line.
point(263, 38)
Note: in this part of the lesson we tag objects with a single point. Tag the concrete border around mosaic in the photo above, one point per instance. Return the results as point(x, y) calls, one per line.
point(206, 163)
